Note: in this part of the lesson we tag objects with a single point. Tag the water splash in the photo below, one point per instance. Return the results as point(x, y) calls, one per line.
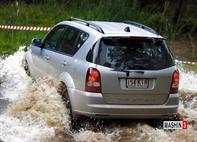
point(13, 79)
point(188, 80)
point(90, 136)
point(37, 112)
point(11, 130)
point(40, 111)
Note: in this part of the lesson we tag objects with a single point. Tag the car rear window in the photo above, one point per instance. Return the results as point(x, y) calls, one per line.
point(134, 54)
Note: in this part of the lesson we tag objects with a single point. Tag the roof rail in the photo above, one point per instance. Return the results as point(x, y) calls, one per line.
point(89, 24)
point(141, 26)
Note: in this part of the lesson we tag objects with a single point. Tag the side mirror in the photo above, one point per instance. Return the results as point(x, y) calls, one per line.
point(36, 42)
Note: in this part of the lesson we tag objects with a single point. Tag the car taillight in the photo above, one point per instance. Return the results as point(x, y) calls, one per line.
point(175, 82)
point(93, 81)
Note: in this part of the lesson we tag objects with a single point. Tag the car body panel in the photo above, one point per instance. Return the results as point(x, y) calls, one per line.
point(93, 104)
point(115, 92)
point(115, 100)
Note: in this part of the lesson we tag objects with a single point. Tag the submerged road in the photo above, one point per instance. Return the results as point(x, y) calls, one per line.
point(37, 113)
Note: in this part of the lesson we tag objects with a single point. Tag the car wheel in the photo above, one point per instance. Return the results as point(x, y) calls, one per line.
point(62, 89)
point(75, 123)
point(26, 67)
point(67, 103)
point(177, 117)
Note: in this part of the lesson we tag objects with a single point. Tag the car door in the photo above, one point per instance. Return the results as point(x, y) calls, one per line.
point(36, 51)
point(48, 51)
point(67, 47)
point(69, 44)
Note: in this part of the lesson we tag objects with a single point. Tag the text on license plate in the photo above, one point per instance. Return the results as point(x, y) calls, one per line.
point(136, 83)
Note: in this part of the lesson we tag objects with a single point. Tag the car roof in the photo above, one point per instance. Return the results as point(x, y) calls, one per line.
point(114, 29)
point(118, 28)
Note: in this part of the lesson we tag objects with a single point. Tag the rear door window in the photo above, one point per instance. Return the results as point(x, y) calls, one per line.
point(134, 54)
point(72, 40)
point(82, 38)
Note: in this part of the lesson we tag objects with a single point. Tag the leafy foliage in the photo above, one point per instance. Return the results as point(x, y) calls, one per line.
point(171, 18)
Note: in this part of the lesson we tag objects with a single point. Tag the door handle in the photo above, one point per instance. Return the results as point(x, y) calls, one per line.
point(46, 57)
point(138, 72)
point(64, 63)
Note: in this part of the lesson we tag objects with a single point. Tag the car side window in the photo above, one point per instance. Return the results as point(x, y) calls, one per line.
point(82, 38)
point(72, 40)
point(90, 54)
point(52, 39)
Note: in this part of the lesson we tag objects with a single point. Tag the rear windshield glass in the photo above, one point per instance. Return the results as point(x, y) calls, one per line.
point(134, 54)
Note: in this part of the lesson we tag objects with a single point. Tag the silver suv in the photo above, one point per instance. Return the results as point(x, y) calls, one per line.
point(108, 69)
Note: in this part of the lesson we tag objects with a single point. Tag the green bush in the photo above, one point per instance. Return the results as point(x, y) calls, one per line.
point(50, 12)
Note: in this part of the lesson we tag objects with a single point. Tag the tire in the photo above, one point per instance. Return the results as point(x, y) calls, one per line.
point(74, 125)
point(177, 117)
point(26, 68)
point(66, 99)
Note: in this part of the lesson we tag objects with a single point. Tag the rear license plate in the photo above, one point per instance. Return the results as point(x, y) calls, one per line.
point(137, 83)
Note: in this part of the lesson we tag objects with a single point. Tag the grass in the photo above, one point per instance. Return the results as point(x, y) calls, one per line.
point(30, 15)
point(10, 40)
point(189, 67)
point(48, 13)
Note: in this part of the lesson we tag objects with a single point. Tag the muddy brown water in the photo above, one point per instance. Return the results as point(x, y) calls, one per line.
point(37, 113)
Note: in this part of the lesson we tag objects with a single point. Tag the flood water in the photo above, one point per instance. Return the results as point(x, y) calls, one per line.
point(35, 112)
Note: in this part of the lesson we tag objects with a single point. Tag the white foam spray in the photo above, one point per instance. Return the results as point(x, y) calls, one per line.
point(37, 113)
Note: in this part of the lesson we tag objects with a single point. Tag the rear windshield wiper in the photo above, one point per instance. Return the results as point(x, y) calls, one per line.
point(122, 70)
point(127, 71)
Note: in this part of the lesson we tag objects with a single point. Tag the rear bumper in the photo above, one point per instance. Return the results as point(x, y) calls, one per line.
point(93, 105)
